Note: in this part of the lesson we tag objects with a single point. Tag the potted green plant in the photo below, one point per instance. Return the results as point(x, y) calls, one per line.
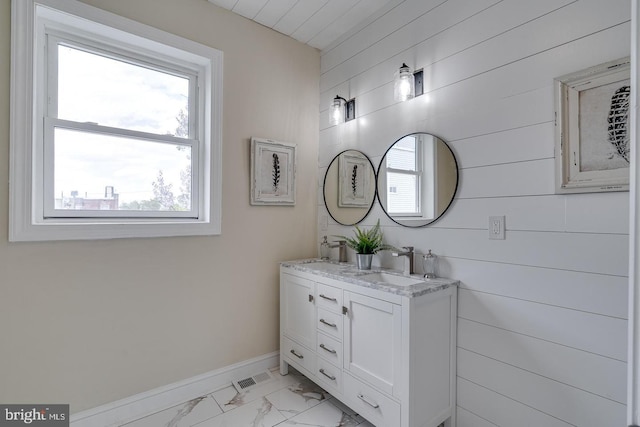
point(366, 243)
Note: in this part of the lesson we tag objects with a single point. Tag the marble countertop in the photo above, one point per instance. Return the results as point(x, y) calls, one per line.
point(351, 274)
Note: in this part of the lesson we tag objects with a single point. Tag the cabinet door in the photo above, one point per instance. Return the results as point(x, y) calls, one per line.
point(298, 310)
point(373, 341)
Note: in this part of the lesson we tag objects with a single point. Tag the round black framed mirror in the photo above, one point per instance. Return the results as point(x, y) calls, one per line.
point(417, 179)
point(349, 187)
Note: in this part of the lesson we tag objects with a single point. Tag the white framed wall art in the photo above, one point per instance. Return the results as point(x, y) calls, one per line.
point(592, 129)
point(273, 172)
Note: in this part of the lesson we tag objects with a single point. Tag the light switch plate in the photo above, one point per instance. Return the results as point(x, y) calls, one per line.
point(496, 227)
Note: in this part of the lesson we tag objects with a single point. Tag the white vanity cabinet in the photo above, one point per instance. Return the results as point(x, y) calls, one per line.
point(387, 352)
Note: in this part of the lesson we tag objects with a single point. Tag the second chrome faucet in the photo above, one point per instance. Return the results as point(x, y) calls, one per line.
point(408, 263)
point(342, 245)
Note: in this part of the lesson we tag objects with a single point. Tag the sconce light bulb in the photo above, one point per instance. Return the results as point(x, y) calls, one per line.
point(337, 111)
point(403, 84)
point(336, 115)
point(405, 88)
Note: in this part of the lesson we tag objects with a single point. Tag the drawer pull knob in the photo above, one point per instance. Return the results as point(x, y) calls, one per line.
point(331, 377)
point(368, 402)
point(330, 350)
point(332, 325)
point(328, 298)
point(299, 356)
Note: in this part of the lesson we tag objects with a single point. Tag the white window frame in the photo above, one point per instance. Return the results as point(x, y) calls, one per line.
point(28, 220)
point(417, 173)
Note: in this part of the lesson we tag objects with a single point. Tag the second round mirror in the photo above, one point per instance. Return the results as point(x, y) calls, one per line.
point(417, 179)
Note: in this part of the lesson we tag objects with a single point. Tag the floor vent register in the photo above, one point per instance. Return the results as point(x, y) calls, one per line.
point(246, 383)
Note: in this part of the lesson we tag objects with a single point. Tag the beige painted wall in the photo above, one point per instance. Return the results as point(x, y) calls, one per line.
point(95, 321)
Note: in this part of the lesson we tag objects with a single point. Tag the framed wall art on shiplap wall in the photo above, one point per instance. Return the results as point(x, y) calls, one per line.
point(592, 129)
point(273, 172)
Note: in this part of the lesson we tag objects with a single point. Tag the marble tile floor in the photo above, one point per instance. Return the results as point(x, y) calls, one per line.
point(290, 400)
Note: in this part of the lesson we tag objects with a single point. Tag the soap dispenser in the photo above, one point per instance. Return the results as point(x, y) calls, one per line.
point(325, 249)
point(429, 263)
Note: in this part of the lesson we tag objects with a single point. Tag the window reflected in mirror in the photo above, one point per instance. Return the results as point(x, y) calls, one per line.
point(417, 179)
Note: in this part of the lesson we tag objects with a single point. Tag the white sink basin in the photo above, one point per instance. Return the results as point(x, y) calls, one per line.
point(391, 279)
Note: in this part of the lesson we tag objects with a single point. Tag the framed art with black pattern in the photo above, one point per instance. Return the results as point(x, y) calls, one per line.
point(592, 129)
point(354, 183)
point(273, 172)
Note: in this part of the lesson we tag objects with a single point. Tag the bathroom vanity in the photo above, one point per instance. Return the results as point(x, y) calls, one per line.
point(382, 343)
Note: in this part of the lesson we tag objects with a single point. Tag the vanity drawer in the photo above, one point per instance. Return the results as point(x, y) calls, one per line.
point(329, 297)
point(330, 349)
point(329, 323)
point(371, 404)
point(299, 354)
point(329, 375)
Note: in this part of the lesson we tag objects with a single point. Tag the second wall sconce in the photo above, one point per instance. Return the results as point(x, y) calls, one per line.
point(342, 110)
point(407, 84)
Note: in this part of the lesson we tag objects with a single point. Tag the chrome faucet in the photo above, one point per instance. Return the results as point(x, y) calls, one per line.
point(408, 263)
point(342, 245)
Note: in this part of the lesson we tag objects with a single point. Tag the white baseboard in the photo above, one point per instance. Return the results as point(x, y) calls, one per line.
point(143, 404)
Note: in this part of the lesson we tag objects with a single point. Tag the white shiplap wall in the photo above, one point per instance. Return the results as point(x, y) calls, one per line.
point(542, 314)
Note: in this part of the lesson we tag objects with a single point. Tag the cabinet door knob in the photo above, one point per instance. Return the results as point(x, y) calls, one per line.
point(365, 400)
point(332, 325)
point(310, 298)
point(299, 356)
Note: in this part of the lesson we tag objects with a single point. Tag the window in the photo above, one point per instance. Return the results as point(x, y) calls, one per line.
point(122, 138)
point(411, 178)
point(404, 170)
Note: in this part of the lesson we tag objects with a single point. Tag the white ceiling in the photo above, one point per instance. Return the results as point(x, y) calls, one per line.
point(318, 23)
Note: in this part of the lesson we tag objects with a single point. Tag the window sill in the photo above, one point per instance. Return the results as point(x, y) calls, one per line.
point(57, 230)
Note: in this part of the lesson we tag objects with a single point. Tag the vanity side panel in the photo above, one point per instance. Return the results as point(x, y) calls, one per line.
point(284, 366)
point(432, 335)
